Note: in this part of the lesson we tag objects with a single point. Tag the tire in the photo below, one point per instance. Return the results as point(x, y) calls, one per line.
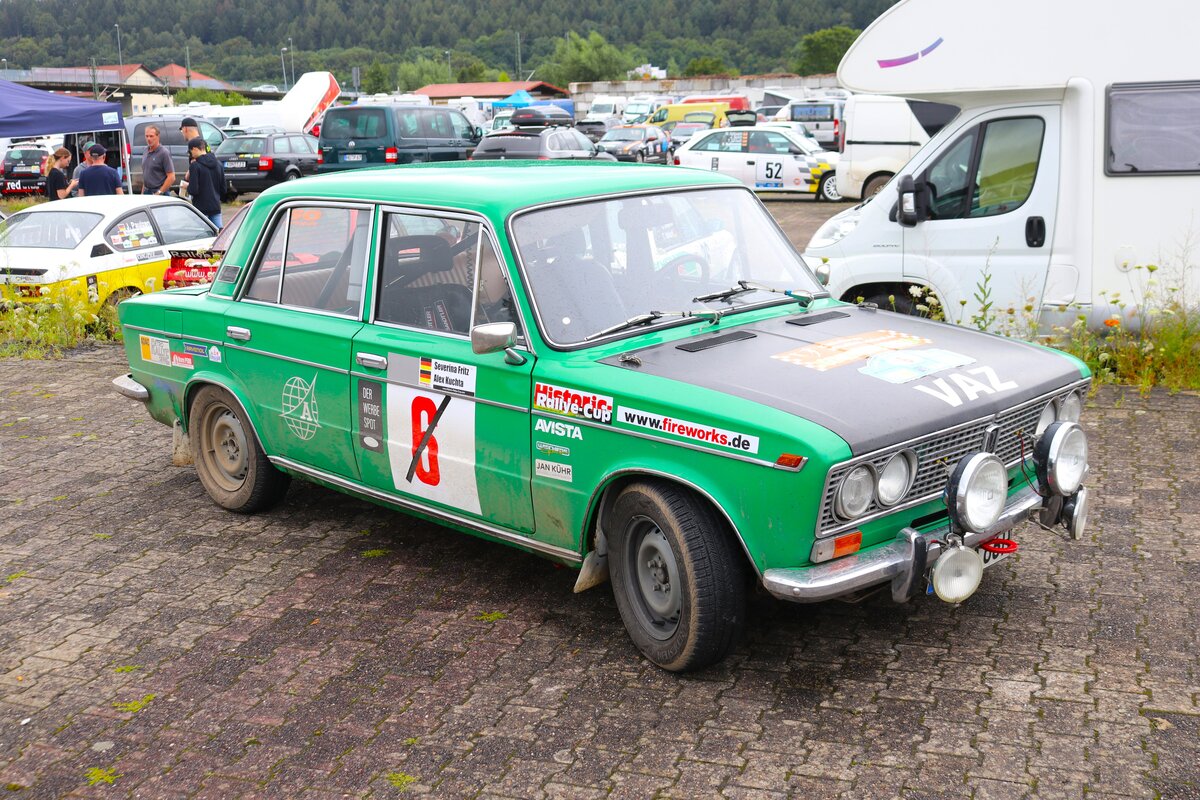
point(292, 176)
point(120, 295)
point(229, 461)
point(827, 189)
point(901, 304)
point(640, 157)
point(872, 187)
point(678, 579)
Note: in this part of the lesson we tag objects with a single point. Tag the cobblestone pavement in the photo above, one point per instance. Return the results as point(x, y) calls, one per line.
point(155, 646)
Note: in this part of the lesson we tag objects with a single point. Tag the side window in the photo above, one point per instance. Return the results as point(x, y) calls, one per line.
point(581, 142)
point(1151, 128)
point(324, 257)
point(439, 124)
point(711, 143)
point(408, 121)
point(557, 142)
point(301, 144)
point(133, 233)
point(493, 298)
point(179, 222)
point(282, 144)
point(949, 178)
point(1008, 163)
point(427, 272)
point(777, 142)
point(210, 134)
point(461, 127)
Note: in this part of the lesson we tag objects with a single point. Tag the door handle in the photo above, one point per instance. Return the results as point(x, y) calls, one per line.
point(241, 334)
point(751, 163)
point(1035, 231)
point(371, 361)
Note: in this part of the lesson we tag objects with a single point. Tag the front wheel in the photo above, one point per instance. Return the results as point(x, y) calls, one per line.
point(827, 189)
point(873, 186)
point(640, 157)
point(231, 466)
point(679, 582)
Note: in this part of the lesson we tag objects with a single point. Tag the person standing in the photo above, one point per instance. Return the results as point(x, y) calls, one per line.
point(205, 181)
point(190, 130)
point(158, 171)
point(98, 178)
point(81, 166)
point(57, 186)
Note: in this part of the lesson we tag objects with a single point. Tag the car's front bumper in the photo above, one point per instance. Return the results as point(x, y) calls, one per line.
point(903, 561)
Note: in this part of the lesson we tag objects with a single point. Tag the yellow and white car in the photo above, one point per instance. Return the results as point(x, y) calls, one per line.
point(101, 249)
point(765, 158)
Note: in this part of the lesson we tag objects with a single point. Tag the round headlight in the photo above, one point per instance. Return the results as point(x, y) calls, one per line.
point(1061, 458)
point(896, 477)
point(957, 573)
point(1049, 417)
point(1070, 408)
point(854, 495)
point(977, 491)
point(1075, 513)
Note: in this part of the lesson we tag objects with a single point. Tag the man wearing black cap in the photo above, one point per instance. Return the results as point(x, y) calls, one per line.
point(98, 178)
point(190, 130)
point(206, 181)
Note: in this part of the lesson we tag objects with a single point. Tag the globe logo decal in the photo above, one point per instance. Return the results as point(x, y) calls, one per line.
point(300, 407)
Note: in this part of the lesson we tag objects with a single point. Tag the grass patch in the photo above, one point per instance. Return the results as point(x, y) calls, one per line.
point(491, 616)
point(401, 780)
point(134, 706)
point(377, 553)
point(96, 776)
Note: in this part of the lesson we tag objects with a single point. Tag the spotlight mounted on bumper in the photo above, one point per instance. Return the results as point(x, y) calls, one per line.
point(1060, 458)
point(976, 493)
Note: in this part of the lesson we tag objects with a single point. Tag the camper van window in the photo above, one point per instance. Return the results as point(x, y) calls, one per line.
point(948, 178)
point(1008, 164)
point(1153, 129)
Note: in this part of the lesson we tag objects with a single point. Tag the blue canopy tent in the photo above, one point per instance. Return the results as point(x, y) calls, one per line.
point(518, 99)
point(25, 111)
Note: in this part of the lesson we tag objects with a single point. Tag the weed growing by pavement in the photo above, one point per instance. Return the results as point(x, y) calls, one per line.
point(134, 706)
point(96, 776)
point(101, 536)
point(58, 320)
point(375, 553)
point(491, 616)
point(401, 780)
point(16, 576)
point(128, 668)
point(410, 741)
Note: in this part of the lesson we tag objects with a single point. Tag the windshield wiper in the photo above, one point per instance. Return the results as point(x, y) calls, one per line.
point(641, 319)
point(799, 295)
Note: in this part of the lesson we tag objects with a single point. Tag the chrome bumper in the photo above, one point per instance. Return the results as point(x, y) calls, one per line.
point(903, 561)
point(130, 388)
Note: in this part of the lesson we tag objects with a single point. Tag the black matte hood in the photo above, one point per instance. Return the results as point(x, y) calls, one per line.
point(872, 377)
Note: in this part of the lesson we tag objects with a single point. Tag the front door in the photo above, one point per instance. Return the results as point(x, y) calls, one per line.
point(435, 423)
point(289, 336)
point(993, 193)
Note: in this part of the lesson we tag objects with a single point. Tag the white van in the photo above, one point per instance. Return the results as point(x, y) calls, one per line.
point(1061, 174)
point(821, 115)
point(879, 135)
point(643, 105)
point(604, 106)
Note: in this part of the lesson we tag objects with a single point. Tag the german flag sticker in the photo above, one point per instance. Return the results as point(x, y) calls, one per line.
point(426, 372)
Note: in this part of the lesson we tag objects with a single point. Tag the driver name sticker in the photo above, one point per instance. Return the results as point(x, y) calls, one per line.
point(689, 430)
point(553, 470)
point(573, 403)
point(905, 366)
point(446, 376)
point(843, 350)
point(155, 350)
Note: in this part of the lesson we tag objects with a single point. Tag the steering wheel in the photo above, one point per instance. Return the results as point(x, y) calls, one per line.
point(676, 267)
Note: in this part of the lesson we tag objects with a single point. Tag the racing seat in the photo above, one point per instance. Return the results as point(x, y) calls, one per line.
point(444, 306)
point(575, 292)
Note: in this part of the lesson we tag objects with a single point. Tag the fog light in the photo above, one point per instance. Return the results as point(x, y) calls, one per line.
point(1075, 513)
point(957, 573)
point(1060, 458)
point(977, 491)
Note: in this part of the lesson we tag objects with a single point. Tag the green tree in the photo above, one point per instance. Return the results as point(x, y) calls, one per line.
point(820, 52)
point(377, 78)
point(210, 96)
point(705, 65)
point(578, 59)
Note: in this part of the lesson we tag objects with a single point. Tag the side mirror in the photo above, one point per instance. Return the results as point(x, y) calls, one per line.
point(478, 131)
point(823, 273)
point(908, 211)
point(494, 337)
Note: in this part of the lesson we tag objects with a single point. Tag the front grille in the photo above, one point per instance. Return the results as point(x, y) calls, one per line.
point(937, 455)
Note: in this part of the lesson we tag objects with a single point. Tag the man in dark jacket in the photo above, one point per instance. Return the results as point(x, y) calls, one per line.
point(206, 181)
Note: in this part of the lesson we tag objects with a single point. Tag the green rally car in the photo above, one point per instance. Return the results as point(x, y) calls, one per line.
point(626, 369)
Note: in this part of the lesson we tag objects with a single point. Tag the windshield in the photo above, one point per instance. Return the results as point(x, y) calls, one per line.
point(242, 147)
point(636, 109)
point(624, 135)
point(601, 108)
point(593, 265)
point(61, 230)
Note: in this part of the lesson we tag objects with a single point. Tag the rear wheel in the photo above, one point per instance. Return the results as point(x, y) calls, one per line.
point(229, 462)
point(678, 580)
point(872, 187)
point(827, 189)
point(293, 176)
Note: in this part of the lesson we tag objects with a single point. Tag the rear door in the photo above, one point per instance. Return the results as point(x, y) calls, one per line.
point(993, 196)
point(449, 134)
point(305, 150)
point(723, 151)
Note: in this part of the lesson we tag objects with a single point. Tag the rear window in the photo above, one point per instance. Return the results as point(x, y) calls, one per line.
point(355, 123)
point(510, 145)
point(812, 112)
point(61, 230)
point(25, 156)
point(168, 133)
point(240, 146)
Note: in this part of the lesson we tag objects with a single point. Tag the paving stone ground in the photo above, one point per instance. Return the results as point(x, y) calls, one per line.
point(155, 646)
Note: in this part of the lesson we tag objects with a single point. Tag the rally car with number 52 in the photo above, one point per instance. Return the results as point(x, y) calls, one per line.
point(625, 369)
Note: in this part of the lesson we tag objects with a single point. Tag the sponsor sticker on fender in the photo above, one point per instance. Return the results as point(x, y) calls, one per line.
point(845, 350)
point(573, 403)
point(155, 350)
point(705, 434)
point(182, 360)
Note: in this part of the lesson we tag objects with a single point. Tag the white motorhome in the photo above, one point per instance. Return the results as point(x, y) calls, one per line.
point(1074, 160)
point(879, 135)
point(604, 106)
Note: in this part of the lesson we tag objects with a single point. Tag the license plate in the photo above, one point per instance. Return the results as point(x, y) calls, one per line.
point(990, 558)
point(235, 165)
point(352, 157)
point(27, 169)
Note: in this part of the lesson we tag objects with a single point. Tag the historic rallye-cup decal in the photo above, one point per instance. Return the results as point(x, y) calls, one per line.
point(431, 434)
point(572, 403)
